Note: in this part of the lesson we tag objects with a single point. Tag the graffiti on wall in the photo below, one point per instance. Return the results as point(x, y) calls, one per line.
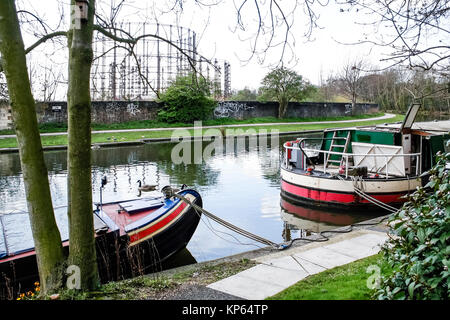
point(227, 109)
point(111, 109)
point(133, 109)
point(348, 108)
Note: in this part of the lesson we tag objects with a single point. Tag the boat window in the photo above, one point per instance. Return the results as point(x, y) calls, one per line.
point(363, 138)
point(99, 225)
point(18, 234)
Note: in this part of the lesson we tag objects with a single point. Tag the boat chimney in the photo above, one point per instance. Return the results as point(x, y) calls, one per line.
point(103, 183)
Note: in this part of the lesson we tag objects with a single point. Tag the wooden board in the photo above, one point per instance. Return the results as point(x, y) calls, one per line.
point(140, 205)
point(395, 165)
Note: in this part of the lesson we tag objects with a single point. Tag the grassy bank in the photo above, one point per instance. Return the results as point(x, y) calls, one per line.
point(157, 286)
point(347, 282)
point(135, 136)
point(149, 124)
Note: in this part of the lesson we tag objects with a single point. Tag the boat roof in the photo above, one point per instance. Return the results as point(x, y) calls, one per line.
point(430, 127)
point(16, 236)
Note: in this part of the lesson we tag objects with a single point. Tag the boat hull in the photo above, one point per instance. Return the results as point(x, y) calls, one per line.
point(323, 190)
point(144, 250)
point(120, 254)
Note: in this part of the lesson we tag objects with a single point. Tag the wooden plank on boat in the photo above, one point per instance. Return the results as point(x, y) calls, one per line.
point(141, 205)
point(396, 165)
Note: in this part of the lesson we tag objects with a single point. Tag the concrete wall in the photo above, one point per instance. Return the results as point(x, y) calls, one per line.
point(253, 109)
point(102, 111)
point(122, 111)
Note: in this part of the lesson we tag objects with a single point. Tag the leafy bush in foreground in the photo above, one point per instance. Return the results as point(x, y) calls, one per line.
point(419, 252)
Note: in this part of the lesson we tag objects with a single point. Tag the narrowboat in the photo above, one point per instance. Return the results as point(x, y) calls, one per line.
point(362, 168)
point(132, 237)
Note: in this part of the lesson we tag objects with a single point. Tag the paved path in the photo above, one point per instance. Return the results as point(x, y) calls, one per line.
point(385, 116)
point(278, 271)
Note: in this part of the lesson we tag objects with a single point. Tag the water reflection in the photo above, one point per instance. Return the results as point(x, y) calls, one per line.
point(240, 183)
point(301, 218)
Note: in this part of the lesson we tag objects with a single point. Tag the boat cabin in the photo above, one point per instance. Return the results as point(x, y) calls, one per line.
point(390, 150)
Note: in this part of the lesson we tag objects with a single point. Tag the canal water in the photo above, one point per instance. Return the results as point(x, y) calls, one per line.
point(240, 184)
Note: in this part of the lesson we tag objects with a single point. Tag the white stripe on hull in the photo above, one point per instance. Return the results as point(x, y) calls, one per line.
point(369, 186)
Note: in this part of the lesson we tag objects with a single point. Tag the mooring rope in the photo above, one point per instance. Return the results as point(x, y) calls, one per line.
point(375, 201)
point(227, 224)
point(257, 238)
point(365, 196)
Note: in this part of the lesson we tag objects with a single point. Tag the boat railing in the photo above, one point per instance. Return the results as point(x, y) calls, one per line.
point(345, 156)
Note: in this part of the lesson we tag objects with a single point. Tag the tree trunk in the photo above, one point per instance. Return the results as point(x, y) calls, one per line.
point(47, 239)
point(353, 103)
point(282, 108)
point(81, 224)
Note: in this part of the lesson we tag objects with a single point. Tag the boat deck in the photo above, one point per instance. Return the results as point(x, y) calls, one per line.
point(123, 218)
point(333, 170)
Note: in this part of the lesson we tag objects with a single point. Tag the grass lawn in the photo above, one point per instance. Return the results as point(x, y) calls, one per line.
point(347, 282)
point(135, 136)
point(148, 124)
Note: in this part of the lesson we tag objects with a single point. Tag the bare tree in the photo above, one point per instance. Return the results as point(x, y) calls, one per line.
point(349, 79)
point(415, 31)
point(268, 26)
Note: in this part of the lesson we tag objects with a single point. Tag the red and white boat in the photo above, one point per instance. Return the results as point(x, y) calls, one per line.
point(362, 167)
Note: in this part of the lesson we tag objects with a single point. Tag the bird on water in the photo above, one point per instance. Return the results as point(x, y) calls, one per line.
point(146, 187)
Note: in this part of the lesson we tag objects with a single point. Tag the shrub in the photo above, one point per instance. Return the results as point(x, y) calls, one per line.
point(186, 100)
point(419, 252)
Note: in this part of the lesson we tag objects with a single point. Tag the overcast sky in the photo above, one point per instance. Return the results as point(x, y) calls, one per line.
point(319, 57)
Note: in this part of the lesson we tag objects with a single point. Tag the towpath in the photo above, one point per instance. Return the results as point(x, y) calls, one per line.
point(276, 271)
point(385, 116)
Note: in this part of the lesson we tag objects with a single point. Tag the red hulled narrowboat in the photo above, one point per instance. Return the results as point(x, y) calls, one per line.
point(362, 168)
point(132, 237)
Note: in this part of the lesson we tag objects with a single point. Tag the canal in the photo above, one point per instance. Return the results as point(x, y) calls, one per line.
point(240, 184)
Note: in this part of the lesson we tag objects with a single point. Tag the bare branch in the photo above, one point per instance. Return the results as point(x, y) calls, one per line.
point(45, 38)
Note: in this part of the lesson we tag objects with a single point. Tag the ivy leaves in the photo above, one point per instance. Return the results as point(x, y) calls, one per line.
point(419, 249)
